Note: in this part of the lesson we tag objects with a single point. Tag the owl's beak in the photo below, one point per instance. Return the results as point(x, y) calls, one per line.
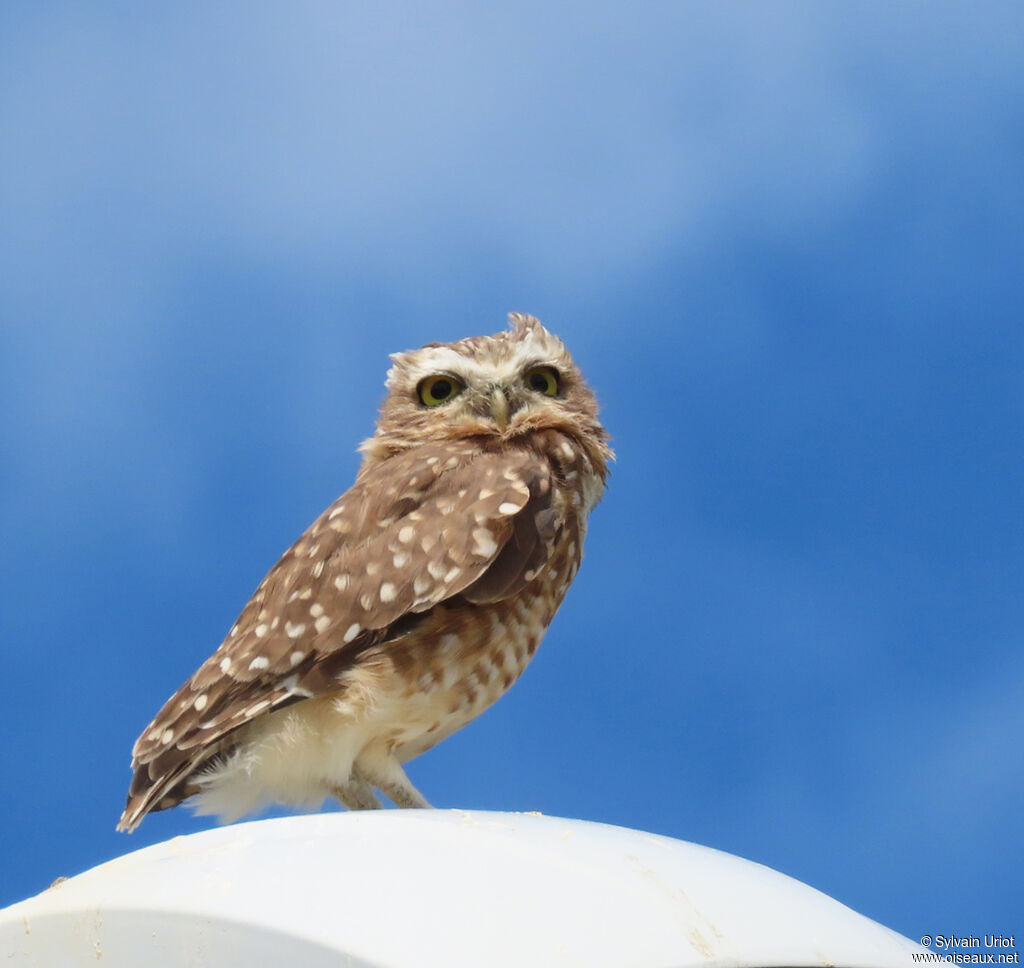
point(499, 408)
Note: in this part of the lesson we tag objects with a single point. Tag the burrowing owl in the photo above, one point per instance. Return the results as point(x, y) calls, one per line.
point(410, 605)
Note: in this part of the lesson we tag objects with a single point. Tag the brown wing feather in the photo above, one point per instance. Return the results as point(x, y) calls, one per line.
point(415, 530)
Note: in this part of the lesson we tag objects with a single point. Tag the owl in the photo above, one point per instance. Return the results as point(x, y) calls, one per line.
point(410, 605)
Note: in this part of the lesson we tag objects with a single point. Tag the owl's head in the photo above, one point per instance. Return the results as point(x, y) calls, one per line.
point(500, 387)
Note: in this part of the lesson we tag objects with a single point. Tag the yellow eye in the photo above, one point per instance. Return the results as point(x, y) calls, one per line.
point(543, 379)
point(435, 390)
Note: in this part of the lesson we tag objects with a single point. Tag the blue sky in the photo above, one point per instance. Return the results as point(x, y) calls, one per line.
point(784, 244)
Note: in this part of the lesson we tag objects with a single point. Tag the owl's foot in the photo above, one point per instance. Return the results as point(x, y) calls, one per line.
point(357, 794)
point(387, 775)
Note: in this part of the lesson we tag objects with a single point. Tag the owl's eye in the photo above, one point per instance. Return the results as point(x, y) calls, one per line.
point(435, 390)
point(543, 379)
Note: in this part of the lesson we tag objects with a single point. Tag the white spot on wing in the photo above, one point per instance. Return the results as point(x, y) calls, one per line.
point(260, 662)
point(292, 687)
point(387, 592)
point(484, 544)
point(352, 631)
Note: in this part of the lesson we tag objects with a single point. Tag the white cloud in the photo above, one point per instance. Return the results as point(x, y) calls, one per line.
point(577, 137)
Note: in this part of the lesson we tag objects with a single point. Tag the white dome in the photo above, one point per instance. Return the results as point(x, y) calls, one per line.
point(450, 888)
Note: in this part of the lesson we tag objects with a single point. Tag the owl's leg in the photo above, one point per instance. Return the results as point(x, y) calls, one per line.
point(387, 775)
point(357, 794)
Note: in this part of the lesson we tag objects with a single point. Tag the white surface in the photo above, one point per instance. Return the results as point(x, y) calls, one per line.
point(446, 888)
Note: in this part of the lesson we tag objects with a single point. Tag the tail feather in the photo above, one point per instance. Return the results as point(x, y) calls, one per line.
point(147, 795)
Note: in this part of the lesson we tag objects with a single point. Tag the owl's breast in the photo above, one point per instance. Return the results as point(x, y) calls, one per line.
point(415, 690)
point(461, 658)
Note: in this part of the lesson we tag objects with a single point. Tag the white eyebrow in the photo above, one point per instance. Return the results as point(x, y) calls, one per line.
point(443, 359)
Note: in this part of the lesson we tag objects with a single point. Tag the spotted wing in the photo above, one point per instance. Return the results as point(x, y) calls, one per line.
point(415, 530)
